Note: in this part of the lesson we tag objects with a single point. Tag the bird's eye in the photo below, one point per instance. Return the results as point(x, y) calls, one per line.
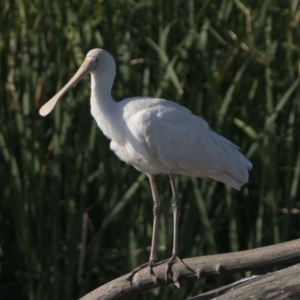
point(95, 63)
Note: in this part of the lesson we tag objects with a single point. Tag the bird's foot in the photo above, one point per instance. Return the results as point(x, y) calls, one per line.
point(150, 265)
point(168, 270)
point(175, 258)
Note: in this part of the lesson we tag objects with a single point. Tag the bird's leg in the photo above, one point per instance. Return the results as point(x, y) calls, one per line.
point(156, 213)
point(176, 206)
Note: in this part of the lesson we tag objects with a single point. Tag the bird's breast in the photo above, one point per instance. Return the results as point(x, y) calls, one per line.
point(138, 157)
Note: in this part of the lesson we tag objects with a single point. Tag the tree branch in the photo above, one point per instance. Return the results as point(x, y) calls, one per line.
point(280, 285)
point(204, 266)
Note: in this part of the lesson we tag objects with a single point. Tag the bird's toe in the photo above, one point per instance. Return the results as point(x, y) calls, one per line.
point(168, 270)
point(148, 265)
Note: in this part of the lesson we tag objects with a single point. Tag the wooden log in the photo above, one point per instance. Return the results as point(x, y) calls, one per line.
point(203, 266)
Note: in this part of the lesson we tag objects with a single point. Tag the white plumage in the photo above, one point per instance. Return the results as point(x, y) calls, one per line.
point(157, 136)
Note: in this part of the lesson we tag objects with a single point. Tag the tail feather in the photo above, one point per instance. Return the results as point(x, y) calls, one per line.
point(234, 166)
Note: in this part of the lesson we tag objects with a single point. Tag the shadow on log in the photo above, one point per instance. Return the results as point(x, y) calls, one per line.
point(215, 265)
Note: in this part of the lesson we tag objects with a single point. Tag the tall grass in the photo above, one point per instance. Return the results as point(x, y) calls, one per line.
point(235, 65)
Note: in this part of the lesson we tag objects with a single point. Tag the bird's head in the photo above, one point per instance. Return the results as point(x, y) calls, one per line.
point(96, 60)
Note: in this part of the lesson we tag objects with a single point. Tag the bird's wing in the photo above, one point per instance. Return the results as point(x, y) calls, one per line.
point(183, 143)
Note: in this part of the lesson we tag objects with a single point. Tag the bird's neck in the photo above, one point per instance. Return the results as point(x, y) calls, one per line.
point(101, 99)
point(103, 107)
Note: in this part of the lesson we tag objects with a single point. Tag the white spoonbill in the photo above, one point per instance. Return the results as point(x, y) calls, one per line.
point(156, 136)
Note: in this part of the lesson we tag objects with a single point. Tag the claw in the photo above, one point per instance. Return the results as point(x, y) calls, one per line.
point(150, 265)
point(141, 267)
point(171, 261)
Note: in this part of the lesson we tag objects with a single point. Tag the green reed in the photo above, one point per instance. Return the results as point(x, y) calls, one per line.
point(234, 65)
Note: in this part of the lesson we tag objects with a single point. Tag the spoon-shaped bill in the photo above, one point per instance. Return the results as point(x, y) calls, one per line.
point(87, 66)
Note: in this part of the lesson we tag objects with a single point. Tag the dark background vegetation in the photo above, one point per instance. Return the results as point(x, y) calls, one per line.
point(233, 62)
